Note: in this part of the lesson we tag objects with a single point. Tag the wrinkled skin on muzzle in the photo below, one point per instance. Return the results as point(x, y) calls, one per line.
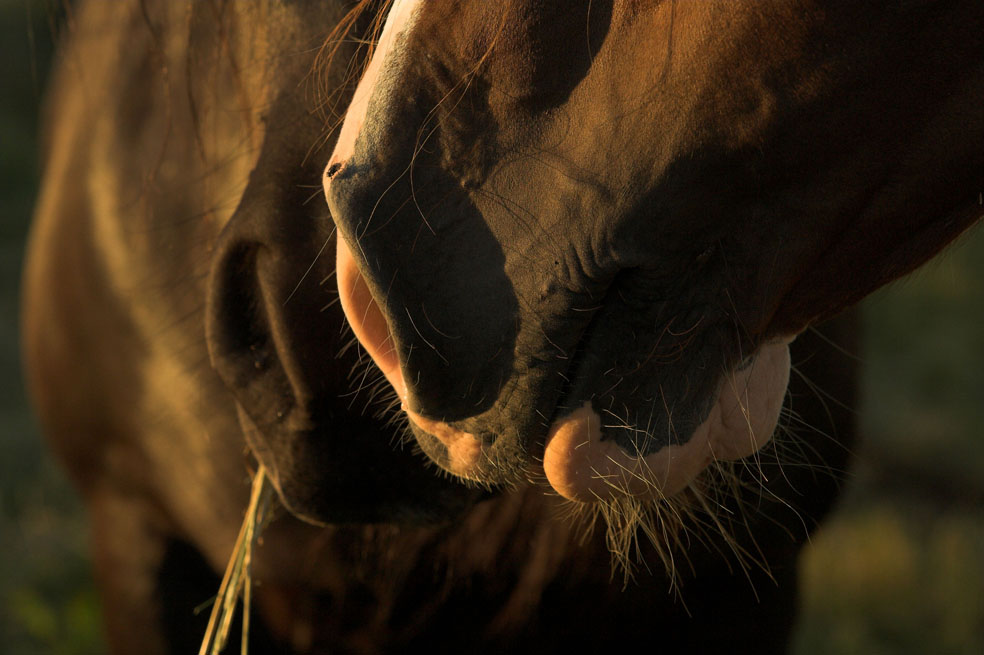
point(585, 257)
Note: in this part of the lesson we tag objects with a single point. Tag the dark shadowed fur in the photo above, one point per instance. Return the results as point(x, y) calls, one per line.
point(182, 197)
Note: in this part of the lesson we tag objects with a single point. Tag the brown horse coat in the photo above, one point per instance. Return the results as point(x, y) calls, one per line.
point(552, 206)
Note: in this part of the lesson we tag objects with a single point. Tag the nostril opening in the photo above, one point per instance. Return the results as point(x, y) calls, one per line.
point(333, 169)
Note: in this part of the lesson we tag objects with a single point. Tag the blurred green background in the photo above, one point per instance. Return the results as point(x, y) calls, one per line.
point(898, 569)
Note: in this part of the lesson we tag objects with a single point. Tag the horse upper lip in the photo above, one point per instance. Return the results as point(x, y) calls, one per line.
point(365, 318)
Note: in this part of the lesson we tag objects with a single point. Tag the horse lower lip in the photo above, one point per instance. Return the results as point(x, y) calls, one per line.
point(582, 467)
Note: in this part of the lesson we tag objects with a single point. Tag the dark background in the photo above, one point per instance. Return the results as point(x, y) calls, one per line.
point(898, 569)
point(47, 603)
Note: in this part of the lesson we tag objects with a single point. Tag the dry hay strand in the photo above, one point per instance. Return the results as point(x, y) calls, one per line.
point(237, 578)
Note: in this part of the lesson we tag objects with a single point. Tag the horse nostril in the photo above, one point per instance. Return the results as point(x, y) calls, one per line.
point(332, 170)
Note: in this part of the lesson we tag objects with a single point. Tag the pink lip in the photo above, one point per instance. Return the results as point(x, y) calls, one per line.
point(580, 466)
point(366, 319)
